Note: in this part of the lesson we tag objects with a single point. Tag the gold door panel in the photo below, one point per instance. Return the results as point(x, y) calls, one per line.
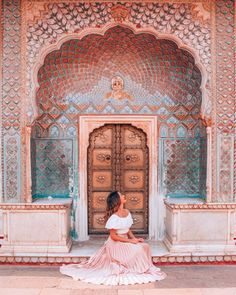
point(135, 201)
point(102, 179)
point(139, 221)
point(133, 157)
point(102, 158)
point(99, 200)
point(133, 180)
point(103, 137)
point(132, 137)
point(98, 221)
point(118, 160)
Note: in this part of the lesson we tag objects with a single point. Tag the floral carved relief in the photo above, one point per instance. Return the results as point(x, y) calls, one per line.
point(225, 97)
point(11, 96)
point(11, 168)
point(179, 19)
point(186, 22)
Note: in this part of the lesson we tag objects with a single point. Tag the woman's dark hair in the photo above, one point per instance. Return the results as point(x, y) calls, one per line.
point(113, 203)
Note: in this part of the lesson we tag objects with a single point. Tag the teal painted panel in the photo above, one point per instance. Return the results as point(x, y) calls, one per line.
point(184, 167)
point(51, 161)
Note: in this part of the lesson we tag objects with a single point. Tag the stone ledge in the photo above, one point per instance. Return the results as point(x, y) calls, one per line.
point(205, 206)
point(43, 205)
point(174, 259)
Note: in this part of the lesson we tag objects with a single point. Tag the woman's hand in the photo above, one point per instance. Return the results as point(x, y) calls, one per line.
point(141, 240)
point(134, 241)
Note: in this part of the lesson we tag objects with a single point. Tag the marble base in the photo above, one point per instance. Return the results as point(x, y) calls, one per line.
point(39, 227)
point(200, 229)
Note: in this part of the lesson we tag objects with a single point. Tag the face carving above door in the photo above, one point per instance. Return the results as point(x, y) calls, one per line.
point(118, 160)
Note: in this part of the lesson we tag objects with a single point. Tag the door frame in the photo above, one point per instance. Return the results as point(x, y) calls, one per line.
point(148, 123)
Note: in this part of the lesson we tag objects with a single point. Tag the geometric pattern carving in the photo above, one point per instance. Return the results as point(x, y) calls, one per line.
point(225, 61)
point(226, 169)
point(48, 22)
point(11, 172)
point(174, 18)
point(53, 159)
point(225, 98)
point(182, 166)
point(11, 98)
point(162, 79)
point(11, 65)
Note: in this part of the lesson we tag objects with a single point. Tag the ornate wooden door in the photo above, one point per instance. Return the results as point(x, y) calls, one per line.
point(118, 160)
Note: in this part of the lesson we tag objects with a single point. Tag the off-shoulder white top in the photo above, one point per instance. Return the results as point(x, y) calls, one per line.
point(121, 224)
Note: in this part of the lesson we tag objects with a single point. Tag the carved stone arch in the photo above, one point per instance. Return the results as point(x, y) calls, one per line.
point(206, 103)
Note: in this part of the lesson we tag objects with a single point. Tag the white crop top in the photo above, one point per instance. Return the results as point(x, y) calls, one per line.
point(121, 224)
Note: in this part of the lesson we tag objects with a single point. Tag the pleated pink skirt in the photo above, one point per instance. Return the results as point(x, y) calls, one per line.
point(117, 263)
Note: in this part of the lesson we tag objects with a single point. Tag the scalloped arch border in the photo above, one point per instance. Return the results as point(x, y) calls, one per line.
point(101, 31)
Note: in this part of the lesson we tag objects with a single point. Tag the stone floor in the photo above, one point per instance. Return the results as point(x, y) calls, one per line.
point(181, 280)
point(87, 248)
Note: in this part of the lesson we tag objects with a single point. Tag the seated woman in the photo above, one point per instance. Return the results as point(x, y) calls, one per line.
point(123, 259)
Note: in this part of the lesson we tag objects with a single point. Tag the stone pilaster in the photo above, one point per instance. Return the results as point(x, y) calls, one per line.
point(11, 100)
point(224, 101)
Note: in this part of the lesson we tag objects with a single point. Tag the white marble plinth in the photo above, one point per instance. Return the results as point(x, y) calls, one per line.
point(197, 229)
point(39, 227)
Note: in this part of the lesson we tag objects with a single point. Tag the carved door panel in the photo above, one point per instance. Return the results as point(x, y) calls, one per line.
point(118, 160)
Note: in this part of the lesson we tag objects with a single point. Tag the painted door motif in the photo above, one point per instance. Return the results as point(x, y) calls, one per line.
point(118, 160)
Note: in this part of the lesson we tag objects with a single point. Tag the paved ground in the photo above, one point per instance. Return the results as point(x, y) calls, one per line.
point(181, 280)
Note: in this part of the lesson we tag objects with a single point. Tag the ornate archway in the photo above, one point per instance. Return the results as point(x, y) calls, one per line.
point(159, 78)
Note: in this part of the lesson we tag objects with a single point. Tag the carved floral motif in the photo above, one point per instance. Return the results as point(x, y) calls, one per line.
point(134, 179)
point(11, 168)
point(132, 158)
point(119, 13)
point(103, 157)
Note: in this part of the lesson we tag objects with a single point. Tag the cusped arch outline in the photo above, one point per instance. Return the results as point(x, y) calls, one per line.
point(101, 31)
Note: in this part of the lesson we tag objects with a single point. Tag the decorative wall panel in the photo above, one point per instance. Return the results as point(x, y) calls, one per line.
point(181, 163)
point(225, 99)
point(12, 167)
point(186, 23)
point(11, 98)
point(156, 76)
point(53, 161)
point(181, 19)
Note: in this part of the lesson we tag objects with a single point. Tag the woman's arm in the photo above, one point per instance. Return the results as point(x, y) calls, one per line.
point(115, 237)
point(131, 235)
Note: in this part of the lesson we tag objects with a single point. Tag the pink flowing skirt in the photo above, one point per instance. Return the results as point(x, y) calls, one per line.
point(117, 263)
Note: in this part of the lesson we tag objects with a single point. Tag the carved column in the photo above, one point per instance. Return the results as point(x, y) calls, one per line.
point(225, 100)
point(11, 100)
